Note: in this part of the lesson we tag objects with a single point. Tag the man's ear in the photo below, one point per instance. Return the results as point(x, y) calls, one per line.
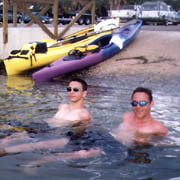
point(84, 93)
point(152, 103)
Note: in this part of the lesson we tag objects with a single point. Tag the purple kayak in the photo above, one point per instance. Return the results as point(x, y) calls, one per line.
point(109, 45)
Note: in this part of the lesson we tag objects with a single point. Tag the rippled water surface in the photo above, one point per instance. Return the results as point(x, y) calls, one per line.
point(24, 102)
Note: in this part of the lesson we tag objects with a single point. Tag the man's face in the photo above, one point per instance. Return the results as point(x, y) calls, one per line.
point(76, 94)
point(141, 111)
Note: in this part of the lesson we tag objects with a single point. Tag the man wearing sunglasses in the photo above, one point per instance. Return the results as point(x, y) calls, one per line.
point(74, 112)
point(139, 126)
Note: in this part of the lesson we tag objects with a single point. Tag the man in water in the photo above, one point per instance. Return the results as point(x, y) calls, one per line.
point(139, 126)
point(73, 114)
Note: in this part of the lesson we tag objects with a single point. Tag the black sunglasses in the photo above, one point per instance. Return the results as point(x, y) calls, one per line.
point(69, 89)
point(141, 103)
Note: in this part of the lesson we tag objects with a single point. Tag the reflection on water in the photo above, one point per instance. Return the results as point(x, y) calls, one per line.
point(23, 102)
point(17, 83)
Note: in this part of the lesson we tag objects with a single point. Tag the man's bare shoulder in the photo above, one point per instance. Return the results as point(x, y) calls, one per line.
point(63, 106)
point(84, 114)
point(128, 116)
point(160, 127)
point(127, 121)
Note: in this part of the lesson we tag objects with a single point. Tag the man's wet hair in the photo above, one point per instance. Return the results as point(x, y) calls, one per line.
point(82, 82)
point(144, 90)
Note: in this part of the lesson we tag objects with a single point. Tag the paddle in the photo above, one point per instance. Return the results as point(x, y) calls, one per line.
point(79, 38)
point(101, 27)
point(84, 31)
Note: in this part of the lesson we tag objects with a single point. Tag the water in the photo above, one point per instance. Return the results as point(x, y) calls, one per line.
point(24, 102)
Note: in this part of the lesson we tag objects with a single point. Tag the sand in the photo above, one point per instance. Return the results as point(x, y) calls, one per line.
point(152, 52)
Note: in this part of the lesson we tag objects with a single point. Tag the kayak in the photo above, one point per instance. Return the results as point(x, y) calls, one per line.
point(37, 54)
point(100, 49)
point(40, 53)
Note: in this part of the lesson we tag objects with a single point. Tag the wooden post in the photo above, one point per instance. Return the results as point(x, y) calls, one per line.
point(43, 27)
point(20, 5)
point(14, 13)
point(93, 12)
point(44, 10)
point(75, 19)
point(23, 5)
point(5, 21)
point(55, 18)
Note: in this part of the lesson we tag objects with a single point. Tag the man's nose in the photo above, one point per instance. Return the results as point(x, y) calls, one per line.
point(138, 105)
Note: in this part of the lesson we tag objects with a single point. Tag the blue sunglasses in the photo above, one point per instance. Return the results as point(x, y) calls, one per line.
point(141, 103)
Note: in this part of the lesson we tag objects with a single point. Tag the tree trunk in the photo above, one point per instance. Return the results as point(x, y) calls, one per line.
point(114, 4)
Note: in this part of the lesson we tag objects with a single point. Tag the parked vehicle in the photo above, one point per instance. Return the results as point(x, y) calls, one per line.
point(171, 12)
point(64, 18)
point(10, 16)
point(85, 18)
point(177, 18)
point(44, 19)
point(157, 12)
point(126, 13)
point(67, 17)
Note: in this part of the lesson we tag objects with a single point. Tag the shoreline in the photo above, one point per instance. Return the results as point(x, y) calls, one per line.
point(151, 52)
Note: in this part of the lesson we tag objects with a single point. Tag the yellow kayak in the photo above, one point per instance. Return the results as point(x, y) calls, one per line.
point(40, 53)
point(37, 54)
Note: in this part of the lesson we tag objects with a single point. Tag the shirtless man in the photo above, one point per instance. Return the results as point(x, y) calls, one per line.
point(73, 114)
point(138, 126)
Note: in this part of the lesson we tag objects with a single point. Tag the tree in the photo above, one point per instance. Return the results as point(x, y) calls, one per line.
point(115, 4)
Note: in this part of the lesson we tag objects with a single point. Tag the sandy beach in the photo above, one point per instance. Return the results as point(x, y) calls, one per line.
point(154, 53)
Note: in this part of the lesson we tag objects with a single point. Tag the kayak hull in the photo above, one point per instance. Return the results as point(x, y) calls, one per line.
point(69, 63)
point(28, 58)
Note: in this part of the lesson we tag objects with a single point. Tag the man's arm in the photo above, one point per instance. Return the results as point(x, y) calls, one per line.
point(161, 129)
point(124, 133)
point(85, 115)
point(66, 156)
point(84, 119)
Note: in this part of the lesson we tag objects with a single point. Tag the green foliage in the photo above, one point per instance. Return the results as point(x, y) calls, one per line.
point(100, 3)
point(174, 3)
